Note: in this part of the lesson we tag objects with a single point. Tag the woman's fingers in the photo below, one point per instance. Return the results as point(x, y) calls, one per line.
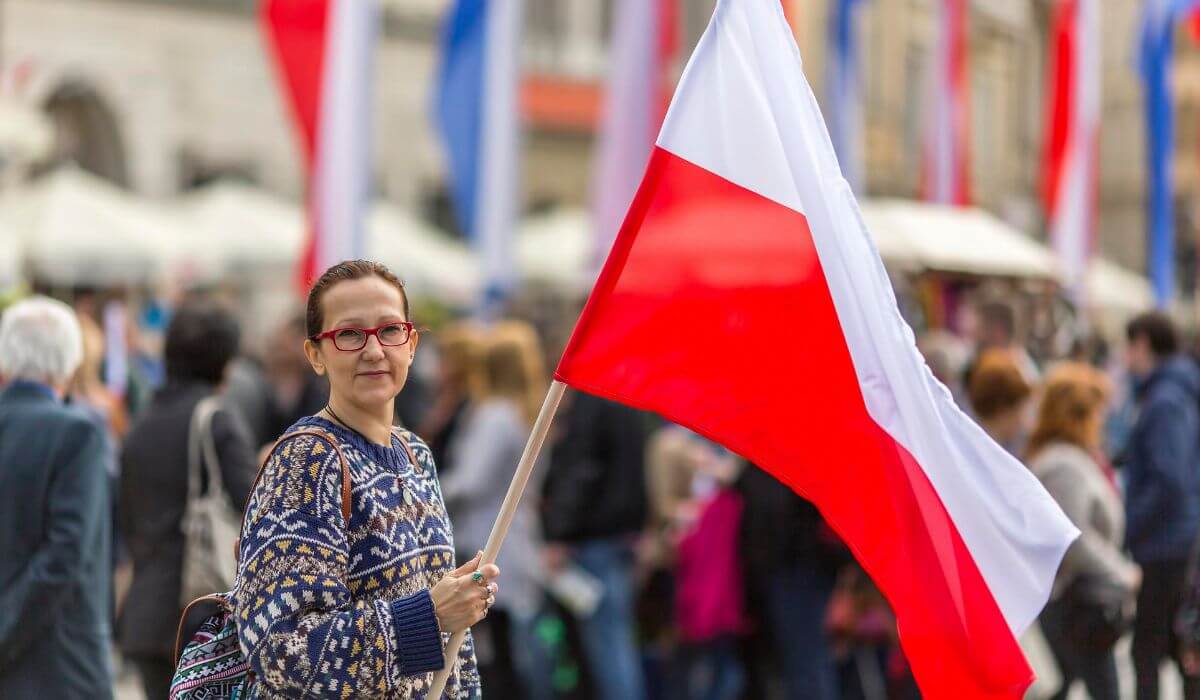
point(468, 567)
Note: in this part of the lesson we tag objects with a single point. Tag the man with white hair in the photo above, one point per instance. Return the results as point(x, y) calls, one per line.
point(55, 578)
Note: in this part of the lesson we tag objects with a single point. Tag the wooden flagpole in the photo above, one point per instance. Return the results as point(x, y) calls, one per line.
point(507, 510)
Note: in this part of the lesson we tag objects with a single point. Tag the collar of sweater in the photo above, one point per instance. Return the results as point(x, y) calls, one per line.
point(392, 456)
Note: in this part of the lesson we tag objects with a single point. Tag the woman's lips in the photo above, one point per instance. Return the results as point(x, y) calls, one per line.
point(373, 375)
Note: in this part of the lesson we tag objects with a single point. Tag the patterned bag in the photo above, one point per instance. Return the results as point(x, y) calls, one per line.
point(211, 666)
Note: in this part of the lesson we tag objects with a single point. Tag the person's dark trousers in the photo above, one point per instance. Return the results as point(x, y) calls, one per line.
point(156, 676)
point(607, 635)
point(796, 599)
point(1097, 669)
point(708, 671)
point(1154, 631)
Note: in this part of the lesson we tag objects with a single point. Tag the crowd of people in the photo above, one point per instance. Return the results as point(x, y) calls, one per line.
point(644, 561)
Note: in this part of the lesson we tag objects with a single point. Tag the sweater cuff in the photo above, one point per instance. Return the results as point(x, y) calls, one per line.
point(418, 639)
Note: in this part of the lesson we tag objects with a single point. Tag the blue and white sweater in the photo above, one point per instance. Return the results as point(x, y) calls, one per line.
point(326, 611)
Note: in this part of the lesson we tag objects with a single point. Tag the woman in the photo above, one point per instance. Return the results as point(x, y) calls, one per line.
point(999, 394)
point(1062, 454)
point(508, 391)
point(201, 341)
point(358, 609)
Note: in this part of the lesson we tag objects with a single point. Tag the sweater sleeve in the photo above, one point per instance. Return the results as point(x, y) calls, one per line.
point(303, 633)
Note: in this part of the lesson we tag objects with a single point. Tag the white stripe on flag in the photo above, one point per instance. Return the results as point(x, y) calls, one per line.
point(499, 190)
point(342, 172)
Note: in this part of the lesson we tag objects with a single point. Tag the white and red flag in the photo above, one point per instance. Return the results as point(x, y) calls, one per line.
point(324, 51)
point(946, 168)
point(1072, 136)
point(743, 299)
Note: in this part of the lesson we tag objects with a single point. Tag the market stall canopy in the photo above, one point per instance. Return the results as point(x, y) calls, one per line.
point(429, 262)
point(556, 247)
point(1112, 287)
point(245, 229)
point(954, 239)
point(75, 228)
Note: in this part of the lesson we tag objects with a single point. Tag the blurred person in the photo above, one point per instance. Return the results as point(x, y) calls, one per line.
point(55, 515)
point(459, 347)
point(1162, 489)
point(1063, 454)
point(376, 589)
point(202, 338)
point(946, 355)
point(997, 330)
point(486, 448)
point(593, 511)
point(999, 395)
point(698, 513)
point(791, 559)
point(296, 392)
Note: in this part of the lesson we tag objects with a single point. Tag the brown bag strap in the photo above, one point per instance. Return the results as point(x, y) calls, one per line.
point(332, 440)
point(400, 435)
point(183, 620)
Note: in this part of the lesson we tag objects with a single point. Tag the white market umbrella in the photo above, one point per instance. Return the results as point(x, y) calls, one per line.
point(556, 247)
point(246, 229)
point(75, 228)
point(429, 262)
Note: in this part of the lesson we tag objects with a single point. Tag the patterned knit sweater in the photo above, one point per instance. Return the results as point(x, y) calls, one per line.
point(329, 612)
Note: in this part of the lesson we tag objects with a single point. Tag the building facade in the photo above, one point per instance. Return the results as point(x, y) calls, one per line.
point(160, 95)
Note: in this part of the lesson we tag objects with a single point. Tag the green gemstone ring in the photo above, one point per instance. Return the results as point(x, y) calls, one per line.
point(477, 577)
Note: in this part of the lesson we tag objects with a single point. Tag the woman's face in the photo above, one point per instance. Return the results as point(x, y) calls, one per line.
point(374, 375)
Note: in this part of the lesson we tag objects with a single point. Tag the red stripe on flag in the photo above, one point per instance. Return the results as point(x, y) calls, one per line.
point(1059, 116)
point(720, 319)
point(296, 32)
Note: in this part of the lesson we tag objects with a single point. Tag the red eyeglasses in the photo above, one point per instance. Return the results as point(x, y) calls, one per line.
point(351, 339)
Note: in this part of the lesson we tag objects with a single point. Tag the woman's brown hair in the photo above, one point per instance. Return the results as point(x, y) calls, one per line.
point(314, 315)
point(514, 367)
point(1072, 407)
point(997, 384)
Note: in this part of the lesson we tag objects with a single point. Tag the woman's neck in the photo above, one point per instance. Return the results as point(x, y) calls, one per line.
point(374, 425)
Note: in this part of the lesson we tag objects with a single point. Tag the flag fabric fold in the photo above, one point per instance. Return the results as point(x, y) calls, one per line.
point(743, 298)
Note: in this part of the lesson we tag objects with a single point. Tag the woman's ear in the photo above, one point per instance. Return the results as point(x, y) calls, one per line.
point(412, 344)
point(313, 352)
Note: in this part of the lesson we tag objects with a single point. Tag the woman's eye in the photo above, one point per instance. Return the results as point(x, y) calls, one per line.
point(348, 334)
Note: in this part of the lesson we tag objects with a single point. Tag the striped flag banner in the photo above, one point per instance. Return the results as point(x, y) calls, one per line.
point(844, 89)
point(945, 171)
point(1072, 137)
point(643, 43)
point(477, 114)
point(324, 52)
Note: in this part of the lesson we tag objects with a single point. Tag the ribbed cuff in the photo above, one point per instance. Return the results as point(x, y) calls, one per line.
point(418, 639)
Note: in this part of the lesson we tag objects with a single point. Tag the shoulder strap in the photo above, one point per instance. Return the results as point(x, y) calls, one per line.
point(201, 452)
point(402, 435)
point(327, 437)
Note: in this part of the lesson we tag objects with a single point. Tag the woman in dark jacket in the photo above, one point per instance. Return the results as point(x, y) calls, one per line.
point(201, 341)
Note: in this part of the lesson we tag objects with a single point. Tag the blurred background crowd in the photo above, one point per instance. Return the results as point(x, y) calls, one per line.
point(150, 178)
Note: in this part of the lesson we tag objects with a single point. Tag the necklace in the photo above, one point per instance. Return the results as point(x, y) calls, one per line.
point(347, 426)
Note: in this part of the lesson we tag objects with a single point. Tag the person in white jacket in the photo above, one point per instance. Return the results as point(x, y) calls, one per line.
point(1064, 453)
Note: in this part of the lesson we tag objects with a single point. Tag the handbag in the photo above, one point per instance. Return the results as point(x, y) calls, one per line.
point(210, 523)
point(211, 665)
point(1098, 612)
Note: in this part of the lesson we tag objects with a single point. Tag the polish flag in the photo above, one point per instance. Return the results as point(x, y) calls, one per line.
point(743, 299)
point(945, 174)
point(1073, 132)
point(323, 50)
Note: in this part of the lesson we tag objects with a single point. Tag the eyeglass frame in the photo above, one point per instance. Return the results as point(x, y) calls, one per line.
point(367, 333)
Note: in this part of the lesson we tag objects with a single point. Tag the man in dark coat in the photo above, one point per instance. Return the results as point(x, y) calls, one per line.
point(1162, 490)
point(202, 340)
point(55, 516)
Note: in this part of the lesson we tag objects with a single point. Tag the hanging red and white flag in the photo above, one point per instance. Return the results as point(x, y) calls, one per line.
point(324, 53)
point(643, 43)
point(744, 299)
point(945, 170)
point(1072, 137)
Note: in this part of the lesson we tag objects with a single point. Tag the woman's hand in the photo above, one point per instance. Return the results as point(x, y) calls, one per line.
point(461, 599)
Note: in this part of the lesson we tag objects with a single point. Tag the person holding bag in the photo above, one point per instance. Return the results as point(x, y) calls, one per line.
point(183, 438)
point(1091, 603)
